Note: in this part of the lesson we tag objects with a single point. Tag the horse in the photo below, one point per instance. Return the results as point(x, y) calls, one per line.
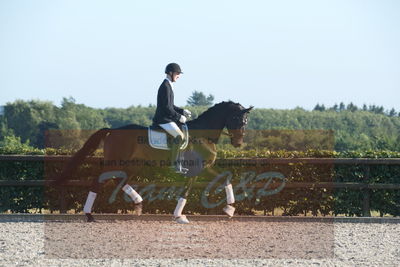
point(128, 143)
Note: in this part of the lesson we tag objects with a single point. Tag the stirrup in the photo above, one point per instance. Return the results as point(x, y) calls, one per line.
point(179, 169)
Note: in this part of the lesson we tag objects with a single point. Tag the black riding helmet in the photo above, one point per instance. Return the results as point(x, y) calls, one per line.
point(173, 67)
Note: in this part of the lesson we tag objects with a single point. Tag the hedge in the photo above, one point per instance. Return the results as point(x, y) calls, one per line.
point(293, 201)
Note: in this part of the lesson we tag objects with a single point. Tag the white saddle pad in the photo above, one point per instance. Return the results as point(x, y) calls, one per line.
point(158, 139)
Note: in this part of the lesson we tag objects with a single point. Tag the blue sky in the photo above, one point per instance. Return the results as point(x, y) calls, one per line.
point(270, 54)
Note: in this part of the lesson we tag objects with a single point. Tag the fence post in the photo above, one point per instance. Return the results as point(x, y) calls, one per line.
point(366, 192)
point(63, 206)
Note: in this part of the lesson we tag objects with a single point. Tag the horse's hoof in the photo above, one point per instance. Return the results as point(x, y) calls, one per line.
point(182, 219)
point(229, 210)
point(138, 209)
point(89, 217)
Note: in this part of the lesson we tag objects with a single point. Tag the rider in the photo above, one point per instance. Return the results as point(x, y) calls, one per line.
point(168, 115)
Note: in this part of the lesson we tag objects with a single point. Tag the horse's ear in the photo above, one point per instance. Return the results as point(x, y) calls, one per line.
point(247, 110)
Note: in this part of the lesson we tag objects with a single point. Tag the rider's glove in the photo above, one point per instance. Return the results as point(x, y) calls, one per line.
point(187, 113)
point(182, 119)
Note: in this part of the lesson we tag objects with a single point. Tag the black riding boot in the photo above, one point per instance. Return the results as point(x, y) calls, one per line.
point(175, 155)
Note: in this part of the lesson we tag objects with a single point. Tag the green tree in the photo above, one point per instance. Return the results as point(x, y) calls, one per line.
point(24, 117)
point(319, 107)
point(200, 99)
point(351, 107)
point(392, 112)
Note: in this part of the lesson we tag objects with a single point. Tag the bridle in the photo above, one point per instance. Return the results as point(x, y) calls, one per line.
point(244, 123)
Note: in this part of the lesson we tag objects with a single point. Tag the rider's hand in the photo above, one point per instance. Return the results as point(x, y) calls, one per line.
point(182, 119)
point(187, 113)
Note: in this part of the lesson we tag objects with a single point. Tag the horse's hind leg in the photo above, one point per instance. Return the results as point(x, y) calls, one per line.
point(123, 177)
point(87, 209)
point(136, 198)
point(95, 188)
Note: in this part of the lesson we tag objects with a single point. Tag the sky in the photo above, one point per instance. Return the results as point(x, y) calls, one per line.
point(270, 54)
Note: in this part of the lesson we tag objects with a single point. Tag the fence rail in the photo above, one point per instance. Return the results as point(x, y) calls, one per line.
point(341, 161)
point(364, 186)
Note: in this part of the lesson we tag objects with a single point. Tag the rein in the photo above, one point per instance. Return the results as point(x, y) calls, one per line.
point(227, 134)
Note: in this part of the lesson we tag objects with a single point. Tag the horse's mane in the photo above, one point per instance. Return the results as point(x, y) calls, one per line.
point(217, 108)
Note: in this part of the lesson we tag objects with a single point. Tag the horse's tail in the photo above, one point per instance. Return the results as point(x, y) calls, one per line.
point(88, 148)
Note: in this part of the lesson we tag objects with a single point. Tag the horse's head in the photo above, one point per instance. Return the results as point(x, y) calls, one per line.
point(236, 123)
point(231, 115)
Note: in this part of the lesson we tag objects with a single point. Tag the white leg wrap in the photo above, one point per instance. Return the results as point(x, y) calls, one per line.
point(230, 197)
point(132, 193)
point(179, 207)
point(89, 202)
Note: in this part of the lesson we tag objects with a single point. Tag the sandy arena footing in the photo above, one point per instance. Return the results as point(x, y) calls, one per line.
point(206, 241)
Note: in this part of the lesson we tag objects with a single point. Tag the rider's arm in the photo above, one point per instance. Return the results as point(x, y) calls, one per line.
point(165, 102)
point(178, 109)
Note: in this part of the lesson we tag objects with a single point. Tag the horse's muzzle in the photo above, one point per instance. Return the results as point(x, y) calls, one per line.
point(236, 144)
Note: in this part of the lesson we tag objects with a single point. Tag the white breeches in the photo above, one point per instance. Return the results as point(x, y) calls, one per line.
point(172, 129)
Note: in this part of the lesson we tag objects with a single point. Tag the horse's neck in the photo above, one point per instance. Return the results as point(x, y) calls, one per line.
point(204, 137)
point(210, 135)
point(209, 129)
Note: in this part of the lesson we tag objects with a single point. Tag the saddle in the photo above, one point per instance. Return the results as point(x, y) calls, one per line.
point(160, 139)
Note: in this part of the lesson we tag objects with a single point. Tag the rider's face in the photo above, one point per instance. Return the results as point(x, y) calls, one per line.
point(175, 76)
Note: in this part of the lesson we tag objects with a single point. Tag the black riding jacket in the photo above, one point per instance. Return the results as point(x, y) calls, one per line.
point(166, 110)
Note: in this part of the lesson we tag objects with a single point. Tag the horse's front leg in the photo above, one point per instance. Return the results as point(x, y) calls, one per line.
point(229, 209)
point(179, 218)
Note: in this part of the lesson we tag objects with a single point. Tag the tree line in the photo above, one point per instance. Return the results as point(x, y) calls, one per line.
point(352, 107)
point(352, 128)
